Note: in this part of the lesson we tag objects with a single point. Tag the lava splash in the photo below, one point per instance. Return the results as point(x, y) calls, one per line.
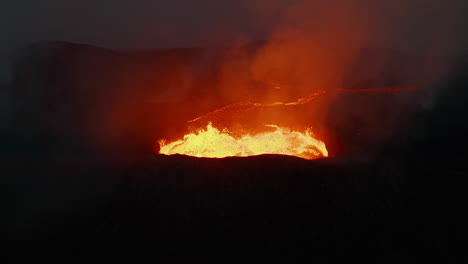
point(214, 143)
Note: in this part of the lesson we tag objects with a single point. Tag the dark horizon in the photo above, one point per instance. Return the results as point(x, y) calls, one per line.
point(170, 24)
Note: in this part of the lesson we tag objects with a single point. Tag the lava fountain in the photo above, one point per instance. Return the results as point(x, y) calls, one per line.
point(214, 143)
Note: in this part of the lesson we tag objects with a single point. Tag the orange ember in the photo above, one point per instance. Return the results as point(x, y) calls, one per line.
point(213, 143)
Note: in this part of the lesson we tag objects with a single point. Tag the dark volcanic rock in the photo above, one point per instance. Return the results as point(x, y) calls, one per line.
point(323, 209)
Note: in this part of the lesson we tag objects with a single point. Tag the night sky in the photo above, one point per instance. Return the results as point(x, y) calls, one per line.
point(147, 24)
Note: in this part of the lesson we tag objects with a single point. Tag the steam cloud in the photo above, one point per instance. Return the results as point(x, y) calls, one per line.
point(315, 44)
point(346, 44)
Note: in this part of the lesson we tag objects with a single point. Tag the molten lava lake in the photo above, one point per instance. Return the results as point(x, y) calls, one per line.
point(214, 143)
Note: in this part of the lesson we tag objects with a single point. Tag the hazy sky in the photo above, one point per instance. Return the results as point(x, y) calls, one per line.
point(151, 24)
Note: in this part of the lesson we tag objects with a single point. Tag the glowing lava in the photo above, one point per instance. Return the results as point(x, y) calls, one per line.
point(213, 143)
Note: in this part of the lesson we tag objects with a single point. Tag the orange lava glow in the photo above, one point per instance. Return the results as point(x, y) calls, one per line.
point(213, 143)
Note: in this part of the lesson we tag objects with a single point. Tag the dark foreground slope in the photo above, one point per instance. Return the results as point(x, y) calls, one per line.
point(269, 206)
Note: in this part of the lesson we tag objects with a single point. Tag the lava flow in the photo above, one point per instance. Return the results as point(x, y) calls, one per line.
point(213, 143)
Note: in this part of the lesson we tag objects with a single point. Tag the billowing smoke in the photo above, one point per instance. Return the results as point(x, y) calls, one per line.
point(355, 44)
point(319, 44)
